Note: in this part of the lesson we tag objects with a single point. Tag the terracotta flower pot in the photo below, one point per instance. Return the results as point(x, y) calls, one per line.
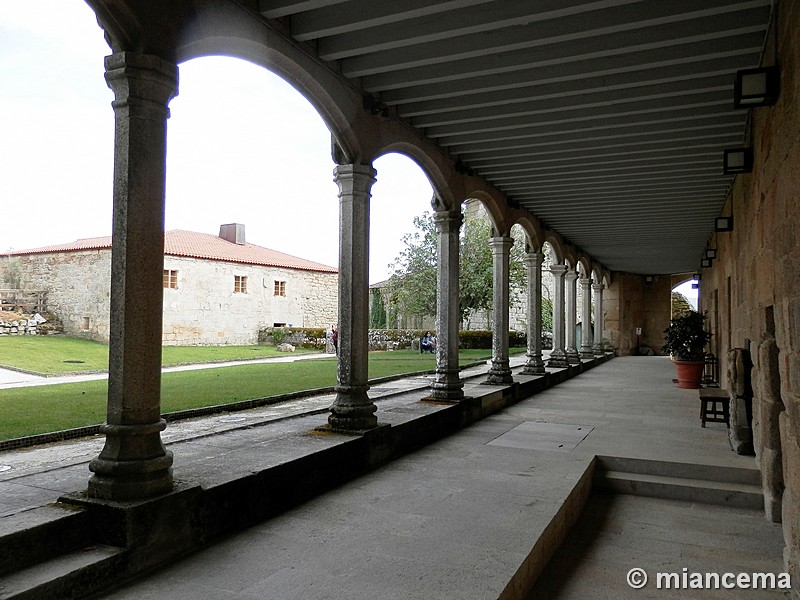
point(690, 373)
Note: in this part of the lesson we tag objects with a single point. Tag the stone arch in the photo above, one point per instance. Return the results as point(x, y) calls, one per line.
point(584, 265)
point(493, 210)
point(531, 227)
point(340, 107)
point(435, 170)
point(571, 257)
point(600, 275)
point(556, 245)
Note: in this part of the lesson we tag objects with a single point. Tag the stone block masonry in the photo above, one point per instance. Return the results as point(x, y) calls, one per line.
point(212, 303)
point(207, 309)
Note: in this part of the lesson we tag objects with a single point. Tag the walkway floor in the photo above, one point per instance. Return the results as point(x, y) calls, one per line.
point(454, 520)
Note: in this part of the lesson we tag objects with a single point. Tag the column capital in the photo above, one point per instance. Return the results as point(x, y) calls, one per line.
point(598, 287)
point(533, 259)
point(571, 275)
point(448, 221)
point(585, 281)
point(558, 270)
point(142, 79)
point(501, 243)
point(354, 179)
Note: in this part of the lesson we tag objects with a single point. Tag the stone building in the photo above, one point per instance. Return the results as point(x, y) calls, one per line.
point(217, 289)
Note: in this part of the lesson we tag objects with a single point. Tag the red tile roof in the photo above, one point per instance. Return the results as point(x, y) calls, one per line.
point(199, 245)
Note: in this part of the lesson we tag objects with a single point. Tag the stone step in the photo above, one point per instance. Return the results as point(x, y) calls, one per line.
point(39, 534)
point(64, 577)
point(704, 472)
point(724, 493)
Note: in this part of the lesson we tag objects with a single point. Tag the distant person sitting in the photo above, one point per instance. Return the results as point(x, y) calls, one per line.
point(427, 343)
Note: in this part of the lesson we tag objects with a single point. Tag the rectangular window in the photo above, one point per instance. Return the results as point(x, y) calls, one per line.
point(170, 279)
point(280, 288)
point(240, 284)
point(86, 323)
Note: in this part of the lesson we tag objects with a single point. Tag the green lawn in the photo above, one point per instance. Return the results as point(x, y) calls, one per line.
point(54, 354)
point(32, 410)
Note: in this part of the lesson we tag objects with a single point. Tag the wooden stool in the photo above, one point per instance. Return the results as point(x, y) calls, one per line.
point(714, 406)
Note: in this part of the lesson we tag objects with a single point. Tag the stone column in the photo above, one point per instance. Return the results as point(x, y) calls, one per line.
point(558, 356)
point(586, 318)
point(598, 346)
point(447, 384)
point(500, 371)
point(352, 410)
point(534, 365)
point(134, 463)
point(571, 278)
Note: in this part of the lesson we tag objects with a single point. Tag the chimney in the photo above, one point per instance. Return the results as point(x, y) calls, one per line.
point(232, 232)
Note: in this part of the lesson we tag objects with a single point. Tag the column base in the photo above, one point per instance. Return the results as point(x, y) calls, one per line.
point(558, 359)
point(131, 480)
point(499, 374)
point(573, 358)
point(534, 365)
point(133, 463)
point(598, 350)
point(447, 390)
point(352, 411)
point(586, 353)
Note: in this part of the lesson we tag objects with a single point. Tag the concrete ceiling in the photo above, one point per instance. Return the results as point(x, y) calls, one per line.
point(606, 119)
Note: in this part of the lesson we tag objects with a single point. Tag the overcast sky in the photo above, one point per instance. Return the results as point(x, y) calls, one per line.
point(243, 146)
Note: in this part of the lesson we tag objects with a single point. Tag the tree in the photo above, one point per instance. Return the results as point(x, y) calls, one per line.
point(412, 286)
point(547, 314)
point(377, 311)
point(680, 305)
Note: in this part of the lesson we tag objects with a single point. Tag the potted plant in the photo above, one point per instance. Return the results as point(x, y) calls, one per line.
point(685, 340)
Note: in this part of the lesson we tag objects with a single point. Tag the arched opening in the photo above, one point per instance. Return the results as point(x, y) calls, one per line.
point(518, 285)
point(476, 269)
point(547, 295)
point(244, 144)
point(684, 296)
point(250, 153)
point(402, 246)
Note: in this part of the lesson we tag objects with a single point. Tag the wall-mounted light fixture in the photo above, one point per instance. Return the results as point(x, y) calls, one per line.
point(697, 276)
point(705, 263)
point(649, 279)
point(711, 253)
point(723, 224)
point(756, 87)
point(737, 160)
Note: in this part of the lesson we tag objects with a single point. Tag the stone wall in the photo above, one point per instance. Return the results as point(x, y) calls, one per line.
point(632, 302)
point(206, 310)
point(78, 288)
point(752, 291)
